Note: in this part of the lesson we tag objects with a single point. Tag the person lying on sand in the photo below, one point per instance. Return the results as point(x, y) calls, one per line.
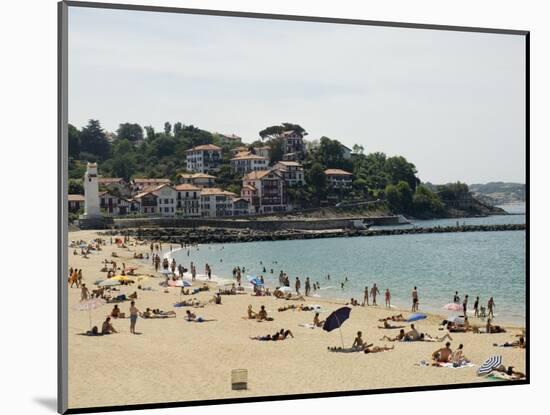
point(93, 332)
point(287, 307)
point(397, 338)
point(442, 355)
point(378, 349)
point(317, 322)
point(514, 374)
point(107, 327)
point(397, 317)
point(518, 343)
point(490, 329)
point(164, 313)
point(389, 326)
point(280, 335)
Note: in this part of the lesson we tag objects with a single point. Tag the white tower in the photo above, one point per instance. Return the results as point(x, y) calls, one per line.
point(91, 192)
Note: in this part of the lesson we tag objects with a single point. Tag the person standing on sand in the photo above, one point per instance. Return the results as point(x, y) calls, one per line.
point(134, 312)
point(85, 293)
point(308, 286)
point(414, 299)
point(388, 298)
point(298, 285)
point(373, 292)
point(465, 304)
point(490, 308)
point(476, 307)
point(366, 296)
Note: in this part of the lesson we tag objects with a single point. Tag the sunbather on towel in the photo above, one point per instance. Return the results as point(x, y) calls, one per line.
point(389, 326)
point(397, 338)
point(518, 343)
point(378, 349)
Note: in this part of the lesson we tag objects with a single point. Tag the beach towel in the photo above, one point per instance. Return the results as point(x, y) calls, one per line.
point(307, 325)
point(456, 366)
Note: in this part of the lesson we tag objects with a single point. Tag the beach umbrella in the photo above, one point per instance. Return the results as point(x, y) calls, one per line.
point(285, 289)
point(179, 283)
point(83, 245)
point(110, 282)
point(166, 271)
point(256, 281)
point(336, 319)
point(491, 363)
point(89, 305)
point(142, 278)
point(130, 268)
point(453, 307)
point(416, 317)
point(121, 278)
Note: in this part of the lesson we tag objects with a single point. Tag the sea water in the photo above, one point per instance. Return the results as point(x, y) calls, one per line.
point(480, 264)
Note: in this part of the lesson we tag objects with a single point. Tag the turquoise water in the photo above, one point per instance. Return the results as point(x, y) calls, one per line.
point(480, 264)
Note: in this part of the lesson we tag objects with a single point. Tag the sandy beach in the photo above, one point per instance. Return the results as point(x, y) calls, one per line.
point(175, 360)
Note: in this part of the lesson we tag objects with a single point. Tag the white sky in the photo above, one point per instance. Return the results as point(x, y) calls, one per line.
point(453, 103)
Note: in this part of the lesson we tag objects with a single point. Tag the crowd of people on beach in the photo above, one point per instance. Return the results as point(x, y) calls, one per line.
point(443, 355)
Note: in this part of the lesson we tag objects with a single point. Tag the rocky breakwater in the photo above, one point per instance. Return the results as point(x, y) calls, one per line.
point(205, 235)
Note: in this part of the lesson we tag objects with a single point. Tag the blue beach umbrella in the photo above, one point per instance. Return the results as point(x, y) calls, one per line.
point(336, 319)
point(254, 280)
point(416, 317)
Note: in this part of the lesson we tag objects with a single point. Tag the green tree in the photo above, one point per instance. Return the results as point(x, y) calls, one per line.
point(426, 202)
point(74, 142)
point(130, 132)
point(76, 187)
point(317, 179)
point(167, 128)
point(94, 141)
point(399, 169)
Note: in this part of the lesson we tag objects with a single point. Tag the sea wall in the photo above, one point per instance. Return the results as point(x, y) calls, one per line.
point(225, 235)
point(266, 225)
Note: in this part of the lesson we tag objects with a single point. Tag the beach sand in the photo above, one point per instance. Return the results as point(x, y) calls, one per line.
point(173, 360)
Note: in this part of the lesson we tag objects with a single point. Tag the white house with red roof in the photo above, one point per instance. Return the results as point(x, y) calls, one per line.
point(243, 163)
point(160, 200)
point(292, 172)
point(265, 191)
point(339, 179)
point(216, 202)
point(188, 200)
point(204, 158)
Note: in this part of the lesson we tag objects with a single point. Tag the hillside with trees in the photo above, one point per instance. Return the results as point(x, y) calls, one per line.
point(135, 151)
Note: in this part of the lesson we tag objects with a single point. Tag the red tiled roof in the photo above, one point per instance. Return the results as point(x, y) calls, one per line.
point(337, 172)
point(205, 147)
point(75, 198)
point(187, 187)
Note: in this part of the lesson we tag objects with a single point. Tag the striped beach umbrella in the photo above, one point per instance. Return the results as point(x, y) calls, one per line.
point(453, 307)
point(89, 305)
point(489, 365)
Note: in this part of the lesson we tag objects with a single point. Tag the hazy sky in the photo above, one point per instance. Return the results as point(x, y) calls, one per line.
point(452, 103)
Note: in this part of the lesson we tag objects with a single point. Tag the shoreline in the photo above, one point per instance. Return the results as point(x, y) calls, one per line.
point(430, 311)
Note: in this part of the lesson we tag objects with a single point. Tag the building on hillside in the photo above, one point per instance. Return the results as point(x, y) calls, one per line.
point(197, 179)
point(291, 157)
point(203, 159)
point(293, 142)
point(265, 191)
point(216, 203)
point(113, 204)
point(241, 207)
point(244, 163)
point(229, 138)
point(264, 151)
point(140, 184)
point(116, 184)
point(339, 179)
point(76, 202)
point(292, 172)
point(188, 200)
point(160, 200)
